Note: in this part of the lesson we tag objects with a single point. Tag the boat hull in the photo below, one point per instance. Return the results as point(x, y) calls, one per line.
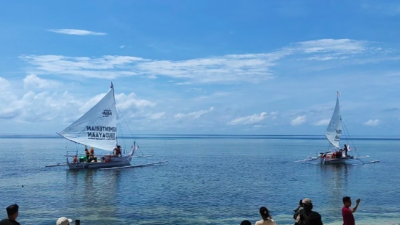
point(342, 160)
point(114, 162)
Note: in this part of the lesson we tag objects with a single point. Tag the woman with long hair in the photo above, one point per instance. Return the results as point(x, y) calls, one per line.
point(266, 218)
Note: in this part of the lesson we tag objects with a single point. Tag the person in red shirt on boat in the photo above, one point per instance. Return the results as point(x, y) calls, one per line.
point(92, 151)
point(347, 213)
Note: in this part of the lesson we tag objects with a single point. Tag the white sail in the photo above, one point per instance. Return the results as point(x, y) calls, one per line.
point(98, 127)
point(334, 129)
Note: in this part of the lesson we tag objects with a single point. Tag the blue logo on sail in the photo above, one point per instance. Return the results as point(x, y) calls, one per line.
point(107, 112)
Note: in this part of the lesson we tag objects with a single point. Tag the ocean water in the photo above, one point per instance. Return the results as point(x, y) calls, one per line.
point(207, 180)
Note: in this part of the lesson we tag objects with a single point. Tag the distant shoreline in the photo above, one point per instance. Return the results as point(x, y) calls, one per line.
point(219, 136)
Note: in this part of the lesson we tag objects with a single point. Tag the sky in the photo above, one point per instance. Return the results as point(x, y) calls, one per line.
point(251, 67)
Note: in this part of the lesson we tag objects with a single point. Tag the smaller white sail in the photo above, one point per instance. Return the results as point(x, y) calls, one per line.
point(334, 129)
point(97, 127)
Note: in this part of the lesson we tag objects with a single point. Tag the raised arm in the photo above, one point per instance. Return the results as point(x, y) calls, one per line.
point(355, 207)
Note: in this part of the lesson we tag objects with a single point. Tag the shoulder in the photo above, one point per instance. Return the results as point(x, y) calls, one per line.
point(5, 222)
point(272, 222)
point(345, 209)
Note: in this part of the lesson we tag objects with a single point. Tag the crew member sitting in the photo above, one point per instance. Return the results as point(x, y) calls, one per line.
point(87, 154)
point(117, 151)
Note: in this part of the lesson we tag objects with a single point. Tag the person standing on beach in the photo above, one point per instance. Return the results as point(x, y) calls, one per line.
point(306, 216)
point(347, 213)
point(12, 213)
point(266, 217)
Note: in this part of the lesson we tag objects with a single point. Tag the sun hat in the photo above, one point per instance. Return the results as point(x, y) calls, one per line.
point(63, 221)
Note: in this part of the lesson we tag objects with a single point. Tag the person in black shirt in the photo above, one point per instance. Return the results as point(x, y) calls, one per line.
point(12, 212)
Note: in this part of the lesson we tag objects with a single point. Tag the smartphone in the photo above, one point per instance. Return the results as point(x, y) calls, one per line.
point(77, 222)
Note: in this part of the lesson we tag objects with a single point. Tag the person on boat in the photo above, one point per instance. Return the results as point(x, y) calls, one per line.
point(12, 213)
point(75, 159)
point(347, 213)
point(92, 156)
point(117, 151)
point(87, 154)
point(346, 149)
point(266, 218)
point(339, 153)
point(307, 216)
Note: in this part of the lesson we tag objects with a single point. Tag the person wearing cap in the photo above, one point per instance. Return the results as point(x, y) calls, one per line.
point(63, 221)
point(12, 213)
point(266, 218)
point(306, 216)
point(347, 213)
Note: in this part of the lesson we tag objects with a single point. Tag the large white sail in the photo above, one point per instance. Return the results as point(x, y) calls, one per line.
point(334, 129)
point(98, 127)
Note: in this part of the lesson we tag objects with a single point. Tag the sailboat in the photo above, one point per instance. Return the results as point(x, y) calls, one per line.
point(97, 128)
point(335, 155)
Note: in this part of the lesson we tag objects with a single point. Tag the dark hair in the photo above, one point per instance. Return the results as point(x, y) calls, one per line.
point(12, 209)
point(264, 212)
point(346, 199)
point(245, 222)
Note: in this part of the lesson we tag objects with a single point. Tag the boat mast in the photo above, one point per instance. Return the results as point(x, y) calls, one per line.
point(116, 136)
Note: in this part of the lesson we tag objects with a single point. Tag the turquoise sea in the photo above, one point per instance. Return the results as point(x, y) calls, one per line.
point(207, 180)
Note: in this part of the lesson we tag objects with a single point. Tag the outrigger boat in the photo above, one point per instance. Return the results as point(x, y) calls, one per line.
point(335, 155)
point(97, 128)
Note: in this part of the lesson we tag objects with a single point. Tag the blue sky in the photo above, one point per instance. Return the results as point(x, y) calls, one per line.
point(202, 67)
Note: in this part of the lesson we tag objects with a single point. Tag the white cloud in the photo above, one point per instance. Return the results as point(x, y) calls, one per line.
point(214, 95)
point(157, 116)
point(255, 118)
point(273, 115)
point(76, 32)
point(298, 120)
point(34, 82)
point(252, 68)
point(332, 45)
point(228, 68)
point(321, 122)
point(194, 115)
point(372, 123)
point(128, 101)
point(5, 85)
